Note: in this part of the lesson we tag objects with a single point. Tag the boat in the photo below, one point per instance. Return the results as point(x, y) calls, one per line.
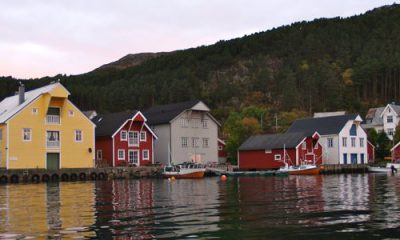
point(386, 169)
point(185, 170)
point(268, 173)
point(304, 169)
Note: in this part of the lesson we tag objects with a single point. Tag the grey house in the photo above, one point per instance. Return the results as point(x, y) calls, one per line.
point(186, 131)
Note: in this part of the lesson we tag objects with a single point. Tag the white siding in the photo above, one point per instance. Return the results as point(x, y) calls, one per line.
point(161, 144)
point(330, 154)
point(345, 132)
point(389, 112)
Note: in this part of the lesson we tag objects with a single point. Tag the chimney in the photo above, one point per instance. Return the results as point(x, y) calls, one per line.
point(21, 93)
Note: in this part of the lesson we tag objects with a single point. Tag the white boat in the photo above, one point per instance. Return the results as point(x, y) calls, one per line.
point(185, 170)
point(304, 169)
point(379, 169)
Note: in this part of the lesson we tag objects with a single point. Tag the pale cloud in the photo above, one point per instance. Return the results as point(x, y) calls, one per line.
point(47, 37)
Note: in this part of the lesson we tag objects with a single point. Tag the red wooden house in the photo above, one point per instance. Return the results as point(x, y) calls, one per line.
point(222, 154)
point(395, 151)
point(267, 151)
point(371, 152)
point(124, 139)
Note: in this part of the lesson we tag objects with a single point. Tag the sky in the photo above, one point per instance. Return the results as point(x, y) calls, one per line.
point(47, 37)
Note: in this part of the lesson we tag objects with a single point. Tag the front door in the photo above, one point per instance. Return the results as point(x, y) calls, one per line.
point(133, 157)
point(53, 161)
point(344, 158)
point(362, 158)
point(353, 158)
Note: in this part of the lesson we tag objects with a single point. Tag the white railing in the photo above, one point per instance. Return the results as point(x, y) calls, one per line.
point(53, 144)
point(54, 119)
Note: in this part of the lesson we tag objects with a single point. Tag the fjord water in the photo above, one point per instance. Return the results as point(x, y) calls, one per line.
point(359, 206)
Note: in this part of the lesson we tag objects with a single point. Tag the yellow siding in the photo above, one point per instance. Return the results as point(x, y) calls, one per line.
point(3, 145)
point(32, 154)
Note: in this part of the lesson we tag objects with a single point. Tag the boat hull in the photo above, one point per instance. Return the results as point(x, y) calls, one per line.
point(379, 170)
point(311, 171)
point(189, 175)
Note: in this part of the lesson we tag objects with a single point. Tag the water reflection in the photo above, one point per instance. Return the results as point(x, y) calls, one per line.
point(324, 207)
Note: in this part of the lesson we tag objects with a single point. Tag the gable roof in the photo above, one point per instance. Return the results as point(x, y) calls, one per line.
point(273, 141)
point(10, 105)
point(396, 109)
point(108, 124)
point(165, 113)
point(323, 125)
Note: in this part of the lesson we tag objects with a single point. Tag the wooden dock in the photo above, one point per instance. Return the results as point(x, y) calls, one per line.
point(341, 168)
point(76, 174)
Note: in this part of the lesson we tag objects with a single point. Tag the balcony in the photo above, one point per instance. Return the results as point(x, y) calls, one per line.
point(53, 144)
point(53, 119)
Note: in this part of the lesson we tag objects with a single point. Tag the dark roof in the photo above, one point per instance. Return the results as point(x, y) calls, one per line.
point(273, 141)
point(165, 113)
point(323, 125)
point(108, 124)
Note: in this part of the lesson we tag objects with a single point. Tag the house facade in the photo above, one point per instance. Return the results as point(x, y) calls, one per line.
point(395, 152)
point(186, 131)
point(390, 118)
point(343, 139)
point(124, 139)
point(272, 151)
point(42, 128)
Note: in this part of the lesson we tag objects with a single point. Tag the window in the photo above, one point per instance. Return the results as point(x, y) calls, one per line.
point(123, 136)
point(268, 151)
point(220, 148)
point(53, 139)
point(145, 155)
point(27, 134)
point(389, 119)
point(133, 138)
point(143, 136)
point(330, 142)
point(53, 115)
point(304, 146)
point(195, 122)
point(204, 123)
point(184, 141)
point(184, 122)
point(195, 142)
point(71, 113)
point(205, 142)
point(121, 154)
point(344, 142)
point(99, 154)
point(35, 111)
point(277, 157)
point(353, 142)
point(361, 142)
point(390, 131)
point(353, 130)
point(78, 136)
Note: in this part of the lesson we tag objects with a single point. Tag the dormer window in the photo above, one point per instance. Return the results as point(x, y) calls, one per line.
point(353, 130)
point(53, 115)
point(389, 119)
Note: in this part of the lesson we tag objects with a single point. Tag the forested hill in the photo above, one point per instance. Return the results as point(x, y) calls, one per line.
point(323, 65)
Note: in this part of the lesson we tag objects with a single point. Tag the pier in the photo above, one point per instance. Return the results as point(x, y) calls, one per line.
point(344, 168)
point(76, 174)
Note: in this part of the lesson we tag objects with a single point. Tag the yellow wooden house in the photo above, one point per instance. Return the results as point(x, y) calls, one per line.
point(42, 128)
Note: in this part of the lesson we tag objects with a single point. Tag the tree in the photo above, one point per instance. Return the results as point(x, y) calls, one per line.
point(383, 145)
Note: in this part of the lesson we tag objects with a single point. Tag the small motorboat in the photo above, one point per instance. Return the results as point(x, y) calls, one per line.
point(185, 170)
point(379, 169)
point(305, 169)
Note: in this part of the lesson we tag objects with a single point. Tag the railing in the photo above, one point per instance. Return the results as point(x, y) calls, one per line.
point(53, 119)
point(53, 144)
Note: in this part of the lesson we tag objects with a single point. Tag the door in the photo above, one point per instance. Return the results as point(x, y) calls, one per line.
point(53, 161)
point(133, 157)
point(362, 158)
point(353, 158)
point(344, 158)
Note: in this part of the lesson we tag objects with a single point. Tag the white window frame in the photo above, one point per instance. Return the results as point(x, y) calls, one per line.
point(30, 134)
point(184, 142)
point(205, 143)
point(143, 133)
point(304, 146)
point(121, 158)
point(389, 117)
point(143, 155)
point(35, 111)
point(220, 148)
point(277, 157)
point(204, 123)
point(195, 122)
point(99, 154)
point(330, 142)
point(133, 143)
point(390, 131)
point(268, 151)
point(51, 146)
point(184, 122)
point(133, 151)
point(344, 141)
point(122, 134)
point(353, 142)
point(76, 135)
point(71, 113)
point(195, 142)
point(362, 142)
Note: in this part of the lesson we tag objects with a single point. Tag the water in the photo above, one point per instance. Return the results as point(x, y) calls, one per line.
point(296, 207)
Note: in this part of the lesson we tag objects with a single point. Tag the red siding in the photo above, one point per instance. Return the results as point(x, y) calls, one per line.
point(143, 145)
point(105, 145)
point(221, 153)
point(307, 155)
point(396, 154)
point(371, 152)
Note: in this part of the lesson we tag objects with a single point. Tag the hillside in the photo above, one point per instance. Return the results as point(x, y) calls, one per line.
point(322, 65)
